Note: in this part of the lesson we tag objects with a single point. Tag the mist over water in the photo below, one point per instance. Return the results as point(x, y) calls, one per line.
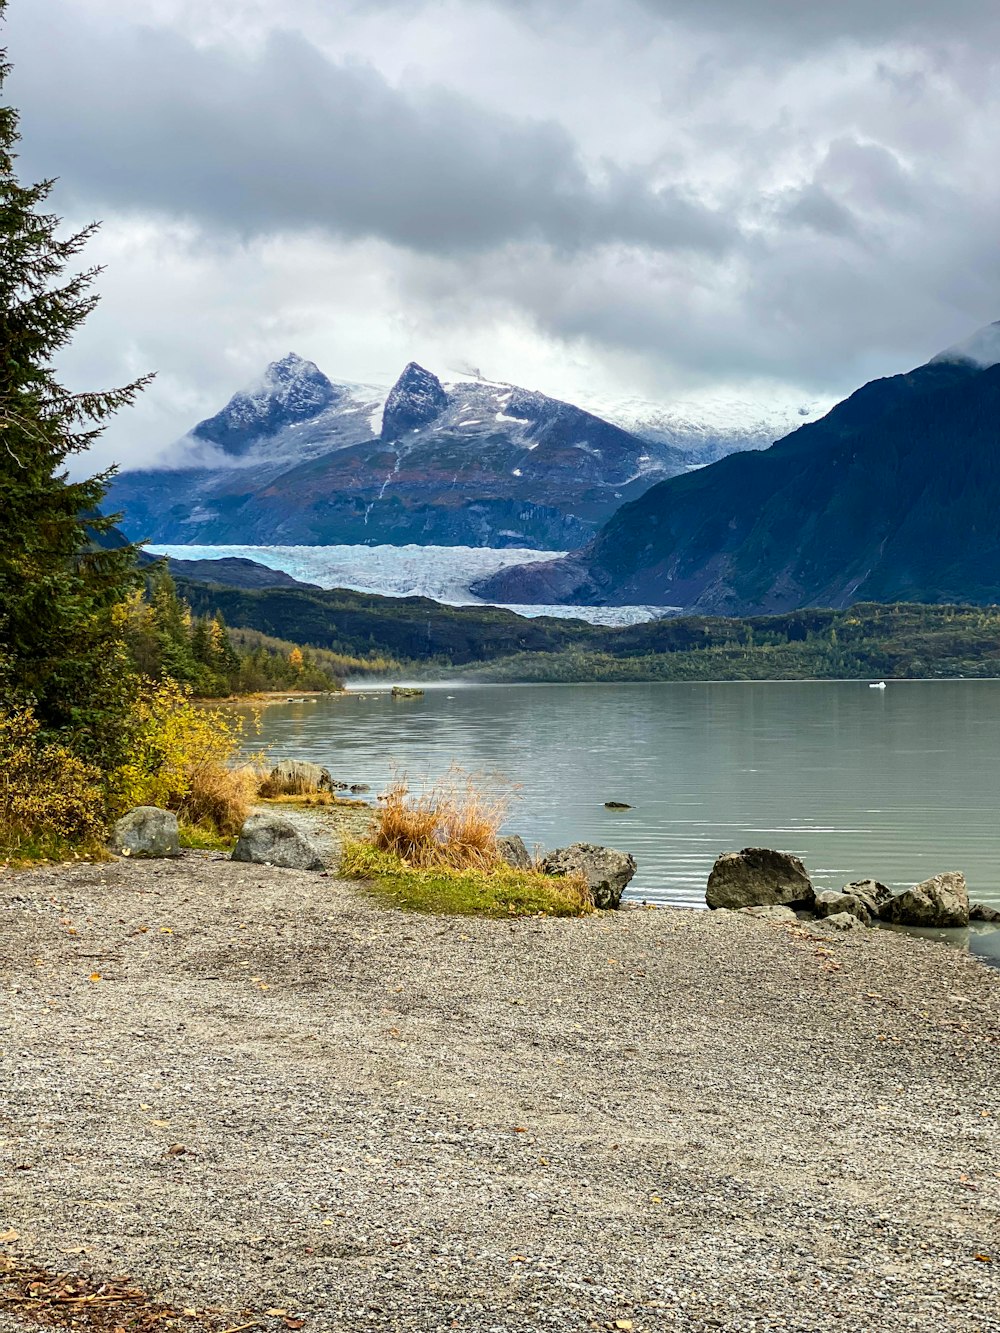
point(896, 784)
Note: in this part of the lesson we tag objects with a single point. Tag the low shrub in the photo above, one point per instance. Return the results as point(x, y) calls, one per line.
point(497, 891)
point(181, 757)
point(454, 824)
point(51, 801)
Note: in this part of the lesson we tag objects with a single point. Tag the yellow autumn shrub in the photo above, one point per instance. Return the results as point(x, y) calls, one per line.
point(50, 799)
point(181, 756)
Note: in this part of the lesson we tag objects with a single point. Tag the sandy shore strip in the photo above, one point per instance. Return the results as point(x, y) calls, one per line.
point(254, 1089)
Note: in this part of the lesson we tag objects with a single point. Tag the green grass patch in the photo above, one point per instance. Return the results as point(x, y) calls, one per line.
point(500, 892)
point(202, 837)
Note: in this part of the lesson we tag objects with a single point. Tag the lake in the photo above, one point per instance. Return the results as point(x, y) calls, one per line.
point(895, 784)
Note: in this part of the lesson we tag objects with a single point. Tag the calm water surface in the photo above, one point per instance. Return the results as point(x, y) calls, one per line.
point(895, 784)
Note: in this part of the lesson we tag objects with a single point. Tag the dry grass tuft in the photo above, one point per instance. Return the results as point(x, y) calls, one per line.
point(316, 799)
point(219, 798)
point(454, 824)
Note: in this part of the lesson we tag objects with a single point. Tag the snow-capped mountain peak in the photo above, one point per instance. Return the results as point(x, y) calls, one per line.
point(291, 390)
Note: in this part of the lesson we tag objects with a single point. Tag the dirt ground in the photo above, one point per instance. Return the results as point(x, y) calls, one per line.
point(254, 1090)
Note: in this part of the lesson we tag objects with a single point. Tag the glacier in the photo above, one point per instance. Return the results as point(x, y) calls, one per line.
point(442, 573)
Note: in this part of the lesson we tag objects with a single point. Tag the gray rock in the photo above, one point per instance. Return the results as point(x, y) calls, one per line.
point(843, 921)
point(980, 912)
point(616, 805)
point(870, 892)
point(267, 839)
point(831, 904)
point(941, 901)
point(607, 871)
point(514, 852)
point(292, 777)
point(358, 787)
point(146, 831)
point(759, 877)
point(770, 913)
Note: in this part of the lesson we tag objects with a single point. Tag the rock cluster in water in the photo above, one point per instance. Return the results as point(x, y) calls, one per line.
point(764, 882)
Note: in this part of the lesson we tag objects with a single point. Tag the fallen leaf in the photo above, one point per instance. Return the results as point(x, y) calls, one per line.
point(161, 1124)
point(175, 1150)
point(276, 1314)
point(623, 1323)
point(518, 1259)
point(983, 1258)
point(165, 930)
point(190, 1313)
point(520, 1129)
point(294, 1323)
point(9, 1235)
point(96, 976)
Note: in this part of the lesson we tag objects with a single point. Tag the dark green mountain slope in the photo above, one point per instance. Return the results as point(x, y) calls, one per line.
point(894, 495)
point(487, 642)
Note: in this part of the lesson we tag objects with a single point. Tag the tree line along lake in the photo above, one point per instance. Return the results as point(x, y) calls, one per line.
point(895, 784)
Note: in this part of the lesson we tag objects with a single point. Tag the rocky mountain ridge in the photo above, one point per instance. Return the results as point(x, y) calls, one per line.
point(301, 459)
point(892, 495)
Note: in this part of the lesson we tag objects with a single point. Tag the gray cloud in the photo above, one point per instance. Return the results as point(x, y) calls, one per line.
point(793, 22)
point(289, 140)
point(634, 196)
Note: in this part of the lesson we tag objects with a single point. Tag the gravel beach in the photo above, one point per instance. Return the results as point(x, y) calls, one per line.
point(254, 1089)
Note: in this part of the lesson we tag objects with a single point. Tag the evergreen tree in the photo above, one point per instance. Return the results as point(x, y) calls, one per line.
point(62, 571)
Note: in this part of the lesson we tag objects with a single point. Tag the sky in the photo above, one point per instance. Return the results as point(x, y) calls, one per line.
point(658, 199)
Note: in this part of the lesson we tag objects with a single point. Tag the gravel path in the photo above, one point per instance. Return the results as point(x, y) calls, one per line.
point(646, 1120)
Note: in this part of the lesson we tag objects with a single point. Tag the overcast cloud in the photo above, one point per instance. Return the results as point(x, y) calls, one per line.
point(629, 197)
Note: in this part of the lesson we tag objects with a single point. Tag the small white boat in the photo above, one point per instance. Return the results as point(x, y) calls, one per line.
point(879, 685)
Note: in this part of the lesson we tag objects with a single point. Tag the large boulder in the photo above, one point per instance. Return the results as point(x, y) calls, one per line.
point(606, 871)
point(832, 904)
point(514, 852)
point(146, 831)
point(941, 901)
point(870, 892)
point(759, 877)
point(273, 841)
point(293, 777)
